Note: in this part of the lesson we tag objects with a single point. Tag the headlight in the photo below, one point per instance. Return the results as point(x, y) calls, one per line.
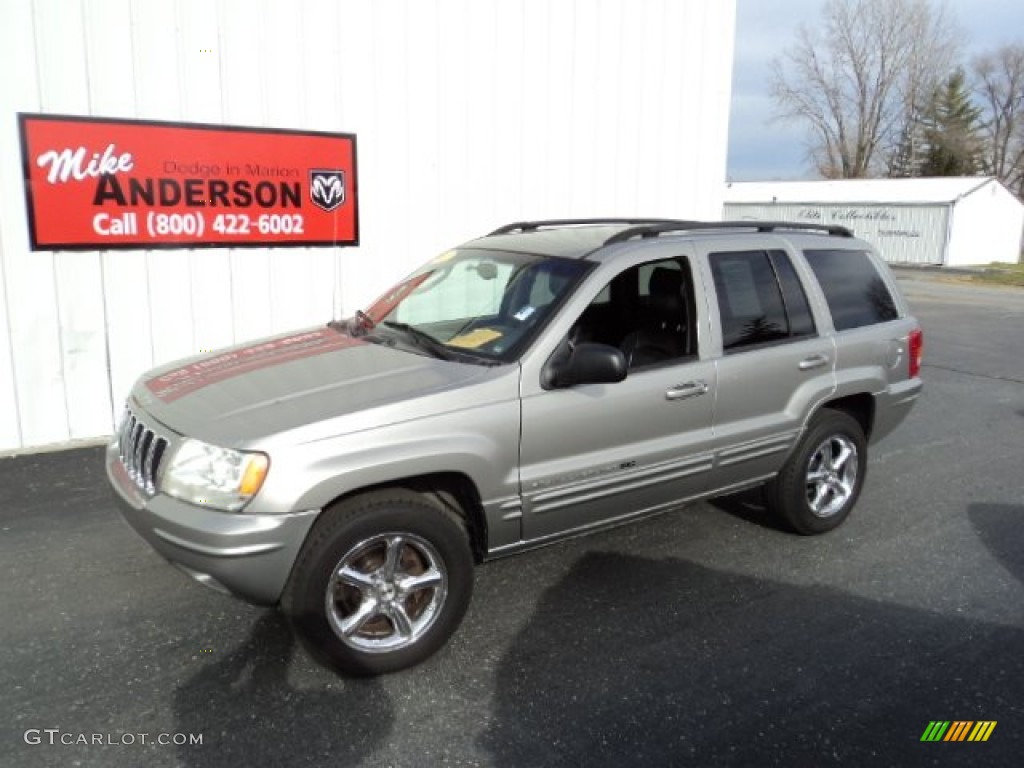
point(215, 477)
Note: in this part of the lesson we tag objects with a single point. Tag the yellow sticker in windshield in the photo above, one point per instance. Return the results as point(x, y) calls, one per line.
point(445, 256)
point(474, 339)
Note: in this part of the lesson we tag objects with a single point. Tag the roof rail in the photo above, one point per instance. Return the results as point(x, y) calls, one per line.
point(531, 226)
point(653, 230)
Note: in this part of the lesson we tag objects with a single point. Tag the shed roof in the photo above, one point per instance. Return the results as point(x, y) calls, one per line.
point(926, 190)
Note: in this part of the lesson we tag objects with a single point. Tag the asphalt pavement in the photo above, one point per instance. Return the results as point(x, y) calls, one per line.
point(703, 637)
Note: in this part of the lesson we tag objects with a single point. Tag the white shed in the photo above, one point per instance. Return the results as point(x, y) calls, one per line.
point(954, 221)
point(469, 114)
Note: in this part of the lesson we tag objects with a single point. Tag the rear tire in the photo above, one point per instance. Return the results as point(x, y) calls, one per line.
point(381, 583)
point(821, 480)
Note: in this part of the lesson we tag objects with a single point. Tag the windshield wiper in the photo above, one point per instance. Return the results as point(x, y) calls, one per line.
point(422, 339)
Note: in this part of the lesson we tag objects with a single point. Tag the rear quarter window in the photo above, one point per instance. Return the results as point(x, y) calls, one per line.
point(855, 291)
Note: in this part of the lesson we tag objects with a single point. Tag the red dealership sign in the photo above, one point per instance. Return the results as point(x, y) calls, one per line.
point(98, 183)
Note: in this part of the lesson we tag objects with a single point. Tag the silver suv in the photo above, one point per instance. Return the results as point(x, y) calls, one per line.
point(548, 379)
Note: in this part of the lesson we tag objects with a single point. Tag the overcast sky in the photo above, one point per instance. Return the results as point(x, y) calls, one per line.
point(761, 149)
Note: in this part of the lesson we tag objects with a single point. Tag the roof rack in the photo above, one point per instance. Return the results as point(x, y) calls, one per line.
point(532, 226)
point(655, 229)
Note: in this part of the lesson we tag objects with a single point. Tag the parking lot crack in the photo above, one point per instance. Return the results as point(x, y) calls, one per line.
point(973, 374)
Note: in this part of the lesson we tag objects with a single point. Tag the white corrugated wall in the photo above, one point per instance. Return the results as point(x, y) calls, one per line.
point(903, 234)
point(469, 114)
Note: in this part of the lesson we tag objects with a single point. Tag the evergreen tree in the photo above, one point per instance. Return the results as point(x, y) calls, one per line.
point(951, 131)
point(907, 158)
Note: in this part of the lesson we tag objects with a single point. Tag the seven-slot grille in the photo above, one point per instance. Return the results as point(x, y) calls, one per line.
point(141, 450)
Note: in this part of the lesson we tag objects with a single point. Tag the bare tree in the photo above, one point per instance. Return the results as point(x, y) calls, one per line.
point(857, 78)
point(999, 85)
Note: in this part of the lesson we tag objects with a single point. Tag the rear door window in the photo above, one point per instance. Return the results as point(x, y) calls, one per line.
point(855, 291)
point(760, 299)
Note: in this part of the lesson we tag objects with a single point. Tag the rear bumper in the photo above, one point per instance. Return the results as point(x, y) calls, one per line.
point(893, 405)
point(247, 555)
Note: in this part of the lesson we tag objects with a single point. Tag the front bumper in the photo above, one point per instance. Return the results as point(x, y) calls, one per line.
point(247, 555)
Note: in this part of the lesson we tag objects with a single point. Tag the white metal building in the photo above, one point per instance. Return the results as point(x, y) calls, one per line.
point(469, 114)
point(953, 221)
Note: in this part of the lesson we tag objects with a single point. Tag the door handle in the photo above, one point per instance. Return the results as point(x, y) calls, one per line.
point(812, 362)
point(689, 389)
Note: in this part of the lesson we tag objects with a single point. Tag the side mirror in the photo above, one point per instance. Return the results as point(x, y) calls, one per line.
point(586, 363)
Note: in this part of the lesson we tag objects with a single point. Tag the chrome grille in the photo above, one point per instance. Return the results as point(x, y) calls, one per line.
point(140, 449)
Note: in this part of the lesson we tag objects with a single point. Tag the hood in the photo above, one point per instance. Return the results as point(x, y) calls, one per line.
point(254, 391)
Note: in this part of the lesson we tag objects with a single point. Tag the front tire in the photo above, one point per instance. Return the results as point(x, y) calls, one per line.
point(381, 583)
point(820, 482)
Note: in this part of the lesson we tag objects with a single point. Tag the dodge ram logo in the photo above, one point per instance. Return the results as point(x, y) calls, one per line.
point(327, 188)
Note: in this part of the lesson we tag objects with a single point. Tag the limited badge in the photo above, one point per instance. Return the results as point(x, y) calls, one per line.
point(326, 188)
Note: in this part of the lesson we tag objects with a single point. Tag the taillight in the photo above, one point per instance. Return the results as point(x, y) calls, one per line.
point(916, 351)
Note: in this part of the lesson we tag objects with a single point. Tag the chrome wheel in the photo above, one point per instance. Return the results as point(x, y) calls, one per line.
point(831, 475)
point(386, 592)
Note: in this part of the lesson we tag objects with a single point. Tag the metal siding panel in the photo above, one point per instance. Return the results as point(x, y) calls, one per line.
point(321, 293)
point(912, 234)
point(124, 286)
point(606, 130)
point(129, 333)
point(453, 161)
point(212, 299)
point(251, 293)
point(715, 52)
point(586, 125)
point(10, 426)
point(358, 113)
point(917, 235)
point(17, 54)
point(111, 85)
point(155, 56)
point(43, 329)
point(198, 32)
point(677, 136)
point(281, 74)
point(627, 158)
point(105, 86)
point(209, 271)
point(159, 94)
point(239, 34)
point(304, 281)
point(475, 124)
point(169, 282)
point(421, 138)
point(558, 96)
point(83, 344)
point(320, 52)
point(289, 286)
point(650, 106)
point(390, 33)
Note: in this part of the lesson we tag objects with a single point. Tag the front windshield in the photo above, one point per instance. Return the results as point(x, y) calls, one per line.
point(476, 303)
